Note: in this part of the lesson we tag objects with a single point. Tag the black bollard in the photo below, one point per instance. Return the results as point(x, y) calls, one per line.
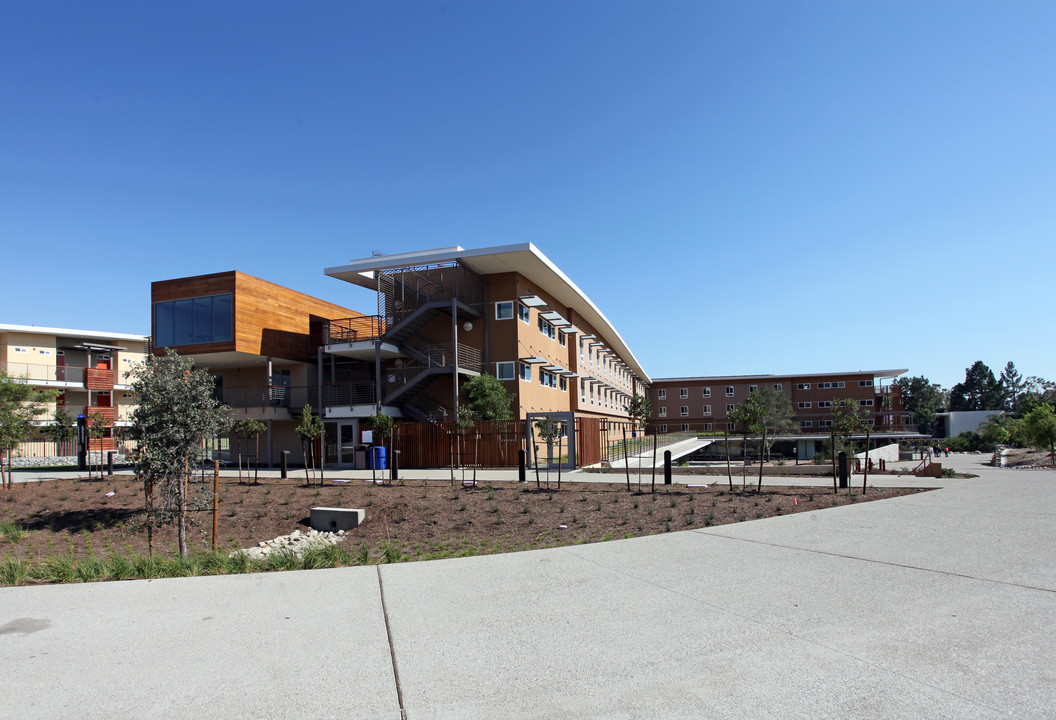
point(110, 463)
point(844, 468)
point(522, 466)
point(394, 462)
point(284, 466)
point(82, 443)
point(667, 467)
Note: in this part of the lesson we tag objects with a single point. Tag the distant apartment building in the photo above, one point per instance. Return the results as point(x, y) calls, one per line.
point(704, 404)
point(442, 316)
point(88, 368)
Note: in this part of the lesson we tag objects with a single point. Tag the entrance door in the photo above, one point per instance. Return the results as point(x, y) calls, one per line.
point(347, 439)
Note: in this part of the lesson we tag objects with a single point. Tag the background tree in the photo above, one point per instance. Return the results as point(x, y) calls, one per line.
point(308, 430)
point(979, 391)
point(20, 405)
point(1036, 391)
point(243, 430)
point(62, 431)
point(922, 399)
point(487, 398)
point(1040, 427)
point(177, 410)
point(639, 410)
point(1011, 387)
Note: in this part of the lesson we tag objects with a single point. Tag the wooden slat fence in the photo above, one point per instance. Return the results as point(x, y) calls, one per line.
point(492, 443)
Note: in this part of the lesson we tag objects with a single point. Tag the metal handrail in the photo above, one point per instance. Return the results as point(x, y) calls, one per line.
point(354, 329)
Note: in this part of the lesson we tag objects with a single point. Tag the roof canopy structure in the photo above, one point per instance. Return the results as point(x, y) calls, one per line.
point(524, 258)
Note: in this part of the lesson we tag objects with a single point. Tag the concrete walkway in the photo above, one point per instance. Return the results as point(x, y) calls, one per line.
point(937, 605)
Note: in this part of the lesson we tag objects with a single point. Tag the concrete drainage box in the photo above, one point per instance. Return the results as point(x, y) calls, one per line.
point(328, 519)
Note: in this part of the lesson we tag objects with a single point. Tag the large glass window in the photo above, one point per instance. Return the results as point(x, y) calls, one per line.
point(193, 321)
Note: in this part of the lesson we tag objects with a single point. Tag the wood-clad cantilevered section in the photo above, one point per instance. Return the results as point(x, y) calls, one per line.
point(266, 320)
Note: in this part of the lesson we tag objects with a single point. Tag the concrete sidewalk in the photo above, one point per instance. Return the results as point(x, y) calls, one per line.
point(936, 605)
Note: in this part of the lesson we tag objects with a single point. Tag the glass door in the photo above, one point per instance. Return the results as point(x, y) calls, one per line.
point(346, 444)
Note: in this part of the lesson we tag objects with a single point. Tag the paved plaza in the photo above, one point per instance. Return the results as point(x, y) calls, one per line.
point(936, 605)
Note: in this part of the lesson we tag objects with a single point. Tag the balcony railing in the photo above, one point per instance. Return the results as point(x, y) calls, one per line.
point(295, 398)
point(95, 379)
point(349, 330)
point(45, 373)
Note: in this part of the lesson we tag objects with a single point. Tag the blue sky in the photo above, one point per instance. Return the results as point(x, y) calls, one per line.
point(740, 187)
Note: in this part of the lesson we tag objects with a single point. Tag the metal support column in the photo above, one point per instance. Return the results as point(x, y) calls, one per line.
point(454, 353)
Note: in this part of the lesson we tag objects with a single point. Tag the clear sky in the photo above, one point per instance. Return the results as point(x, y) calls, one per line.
point(741, 187)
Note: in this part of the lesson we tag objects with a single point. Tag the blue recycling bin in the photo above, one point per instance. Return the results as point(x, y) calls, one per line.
point(377, 459)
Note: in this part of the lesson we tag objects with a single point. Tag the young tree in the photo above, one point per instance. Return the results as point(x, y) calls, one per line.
point(62, 430)
point(639, 410)
point(749, 417)
point(848, 417)
point(487, 398)
point(177, 410)
point(549, 431)
point(1040, 427)
point(96, 427)
point(20, 405)
point(308, 430)
point(383, 426)
point(979, 391)
point(243, 430)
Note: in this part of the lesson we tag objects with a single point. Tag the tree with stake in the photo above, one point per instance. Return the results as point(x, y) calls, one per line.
point(847, 417)
point(309, 430)
point(243, 430)
point(177, 410)
point(20, 405)
point(639, 410)
point(383, 426)
point(749, 416)
point(549, 431)
point(775, 418)
point(96, 427)
point(62, 431)
point(464, 423)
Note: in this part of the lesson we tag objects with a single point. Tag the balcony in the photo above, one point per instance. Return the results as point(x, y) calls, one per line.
point(293, 399)
point(95, 379)
point(47, 375)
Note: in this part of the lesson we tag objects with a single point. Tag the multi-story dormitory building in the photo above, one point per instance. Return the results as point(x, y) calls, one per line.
point(89, 369)
point(442, 316)
point(703, 404)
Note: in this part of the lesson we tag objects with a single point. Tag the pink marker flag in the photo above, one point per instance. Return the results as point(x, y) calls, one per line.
point(110, 494)
point(795, 501)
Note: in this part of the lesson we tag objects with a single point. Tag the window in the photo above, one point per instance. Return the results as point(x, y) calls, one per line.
point(504, 310)
point(547, 379)
point(729, 408)
point(683, 393)
point(731, 426)
point(684, 411)
point(729, 391)
point(803, 405)
point(707, 427)
point(869, 421)
point(825, 423)
point(865, 383)
point(827, 385)
point(193, 321)
point(581, 342)
point(526, 372)
point(661, 394)
point(663, 411)
point(824, 403)
point(504, 370)
point(561, 339)
point(707, 392)
point(663, 428)
point(777, 386)
point(524, 314)
point(685, 427)
point(865, 403)
point(564, 384)
point(806, 423)
point(753, 388)
point(803, 386)
point(546, 328)
point(707, 409)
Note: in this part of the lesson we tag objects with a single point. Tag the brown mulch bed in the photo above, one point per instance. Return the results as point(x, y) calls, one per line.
point(426, 519)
